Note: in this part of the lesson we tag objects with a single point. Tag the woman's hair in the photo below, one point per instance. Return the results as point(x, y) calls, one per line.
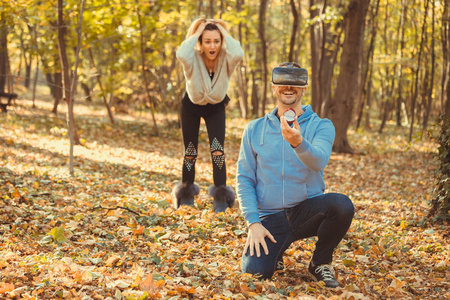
point(196, 23)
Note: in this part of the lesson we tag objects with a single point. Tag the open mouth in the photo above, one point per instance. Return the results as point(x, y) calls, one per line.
point(212, 52)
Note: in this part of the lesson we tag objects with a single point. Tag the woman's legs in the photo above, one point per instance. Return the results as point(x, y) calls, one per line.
point(215, 124)
point(190, 124)
point(183, 193)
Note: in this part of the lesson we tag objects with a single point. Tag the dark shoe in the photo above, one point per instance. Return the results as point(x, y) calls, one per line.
point(224, 197)
point(324, 273)
point(184, 193)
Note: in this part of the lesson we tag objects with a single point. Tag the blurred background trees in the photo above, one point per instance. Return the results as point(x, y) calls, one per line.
point(370, 62)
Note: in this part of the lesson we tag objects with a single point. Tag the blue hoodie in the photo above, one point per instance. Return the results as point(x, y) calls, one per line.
point(271, 174)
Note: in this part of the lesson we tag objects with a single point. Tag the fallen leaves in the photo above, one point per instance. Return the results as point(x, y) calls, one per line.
point(110, 231)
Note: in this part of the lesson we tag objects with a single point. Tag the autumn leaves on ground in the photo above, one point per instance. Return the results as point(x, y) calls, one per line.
point(110, 231)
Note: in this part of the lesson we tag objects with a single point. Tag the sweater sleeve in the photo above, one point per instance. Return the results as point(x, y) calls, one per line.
point(234, 54)
point(316, 154)
point(246, 180)
point(186, 53)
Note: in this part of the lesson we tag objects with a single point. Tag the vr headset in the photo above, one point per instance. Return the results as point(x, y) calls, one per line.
point(290, 74)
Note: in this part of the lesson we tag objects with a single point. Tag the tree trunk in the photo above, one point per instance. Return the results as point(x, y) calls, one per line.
point(36, 74)
point(295, 26)
point(240, 71)
point(3, 50)
point(315, 40)
point(400, 100)
point(262, 37)
point(419, 62)
point(102, 90)
point(211, 9)
point(87, 91)
point(341, 107)
point(367, 71)
point(199, 7)
point(328, 57)
point(144, 70)
point(73, 134)
point(255, 91)
point(433, 58)
point(446, 21)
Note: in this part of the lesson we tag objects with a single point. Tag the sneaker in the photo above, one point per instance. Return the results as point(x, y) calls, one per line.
point(324, 273)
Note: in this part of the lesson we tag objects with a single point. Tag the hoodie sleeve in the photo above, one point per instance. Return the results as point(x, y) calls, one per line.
point(316, 154)
point(246, 179)
point(234, 54)
point(186, 53)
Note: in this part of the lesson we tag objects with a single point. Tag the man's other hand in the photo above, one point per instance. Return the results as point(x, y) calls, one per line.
point(256, 234)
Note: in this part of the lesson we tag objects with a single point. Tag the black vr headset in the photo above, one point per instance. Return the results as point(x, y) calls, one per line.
point(291, 74)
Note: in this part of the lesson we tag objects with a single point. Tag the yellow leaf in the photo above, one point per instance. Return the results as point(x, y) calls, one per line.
point(403, 224)
point(58, 235)
point(36, 184)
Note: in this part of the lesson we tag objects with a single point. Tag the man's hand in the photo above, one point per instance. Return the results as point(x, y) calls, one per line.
point(291, 134)
point(256, 234)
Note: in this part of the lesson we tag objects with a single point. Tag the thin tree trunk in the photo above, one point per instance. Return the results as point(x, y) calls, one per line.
point(341, 107)
point(67, 81)
point(261, 32)
point(102, 90)
point(241, 79)
point(315, 40)
point(3, 50)
point(199, 7)
point(433, 58)
point(211, 9)
point(446, 21)
point(400, 71)
point(295, 26)
point(366, 82)
point(36, 72)
point(144, 70)
point(419, 62)
point(255, 90)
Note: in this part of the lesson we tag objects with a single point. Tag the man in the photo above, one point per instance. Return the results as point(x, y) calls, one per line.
point(280, 183)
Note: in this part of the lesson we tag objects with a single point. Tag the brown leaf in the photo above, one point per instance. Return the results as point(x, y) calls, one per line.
point(151, 287)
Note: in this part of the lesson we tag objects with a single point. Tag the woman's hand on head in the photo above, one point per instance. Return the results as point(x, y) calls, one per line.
point(202, 26)
point(222, 30)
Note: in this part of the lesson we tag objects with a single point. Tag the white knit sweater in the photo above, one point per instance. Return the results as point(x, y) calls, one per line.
point(199, 86)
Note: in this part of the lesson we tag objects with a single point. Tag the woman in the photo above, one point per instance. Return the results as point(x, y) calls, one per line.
point(209, 56)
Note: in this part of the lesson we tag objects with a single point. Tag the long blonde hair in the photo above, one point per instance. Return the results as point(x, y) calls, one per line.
point(196, 23)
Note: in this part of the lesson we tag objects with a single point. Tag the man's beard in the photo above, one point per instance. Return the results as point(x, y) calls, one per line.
point(290, 101)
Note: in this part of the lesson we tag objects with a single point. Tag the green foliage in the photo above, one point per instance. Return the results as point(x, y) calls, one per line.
point(441, 204)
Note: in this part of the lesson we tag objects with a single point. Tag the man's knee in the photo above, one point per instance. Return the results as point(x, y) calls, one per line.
point(343, 206)
point(254, 266)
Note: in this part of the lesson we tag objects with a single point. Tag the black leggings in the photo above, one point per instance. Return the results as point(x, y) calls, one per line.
point(214, 116)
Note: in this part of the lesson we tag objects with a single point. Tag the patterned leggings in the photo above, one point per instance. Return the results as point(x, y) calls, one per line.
point(214, 116)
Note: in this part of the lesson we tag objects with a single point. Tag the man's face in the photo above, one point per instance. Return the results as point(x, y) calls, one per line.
point(288, 95)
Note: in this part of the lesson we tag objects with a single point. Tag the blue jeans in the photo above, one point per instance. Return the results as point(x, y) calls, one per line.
point(327, 216)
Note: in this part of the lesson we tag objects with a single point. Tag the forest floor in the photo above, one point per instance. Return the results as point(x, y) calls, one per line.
point(110, 232)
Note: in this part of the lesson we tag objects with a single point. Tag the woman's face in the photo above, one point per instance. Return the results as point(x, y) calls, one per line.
point(211, 43)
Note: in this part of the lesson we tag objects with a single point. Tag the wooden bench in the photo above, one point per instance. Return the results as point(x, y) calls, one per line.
point(9, 98)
